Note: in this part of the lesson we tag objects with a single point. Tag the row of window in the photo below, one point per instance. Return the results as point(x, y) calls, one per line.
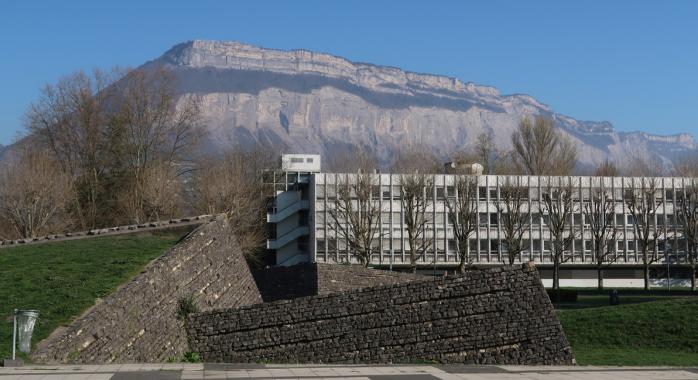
point(492, 219)
point(534, 245)
point(384, 191)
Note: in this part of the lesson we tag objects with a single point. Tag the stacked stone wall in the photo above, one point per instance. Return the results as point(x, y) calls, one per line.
point(498, 315)
point(138, 322)
point(117, 230)
point(310, 279)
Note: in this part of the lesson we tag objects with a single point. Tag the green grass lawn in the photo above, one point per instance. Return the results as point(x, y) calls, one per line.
point(63, 279)
point(645, 330)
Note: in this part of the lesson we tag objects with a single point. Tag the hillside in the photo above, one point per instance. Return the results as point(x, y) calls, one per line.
point(63, 279)
point(302, 101)
point(660, 332)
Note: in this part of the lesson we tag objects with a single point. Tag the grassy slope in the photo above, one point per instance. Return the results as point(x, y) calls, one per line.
point(661, 332)
point(63, 279)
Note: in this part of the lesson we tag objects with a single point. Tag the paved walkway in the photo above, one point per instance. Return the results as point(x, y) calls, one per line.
point(335, 372)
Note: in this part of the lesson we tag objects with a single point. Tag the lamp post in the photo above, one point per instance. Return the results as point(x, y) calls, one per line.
point(23, 322)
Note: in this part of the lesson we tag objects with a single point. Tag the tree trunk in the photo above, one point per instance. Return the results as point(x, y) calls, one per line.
point(647, 276)
point(693, 277)
point(556, 275)
point(599, 276)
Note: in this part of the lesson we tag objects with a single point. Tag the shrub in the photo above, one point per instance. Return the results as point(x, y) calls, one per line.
point(186, 306)
point(191, 357)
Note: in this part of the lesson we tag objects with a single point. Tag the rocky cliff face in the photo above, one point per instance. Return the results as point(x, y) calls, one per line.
point(308, 102)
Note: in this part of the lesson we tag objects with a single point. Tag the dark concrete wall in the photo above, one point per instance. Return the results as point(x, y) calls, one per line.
point(310, 279)
point(499, 315)
point(138, 322)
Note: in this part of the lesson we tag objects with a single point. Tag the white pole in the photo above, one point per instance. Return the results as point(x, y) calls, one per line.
point(14, 334)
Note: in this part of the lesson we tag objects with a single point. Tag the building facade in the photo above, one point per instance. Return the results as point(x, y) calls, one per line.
point(304, 227)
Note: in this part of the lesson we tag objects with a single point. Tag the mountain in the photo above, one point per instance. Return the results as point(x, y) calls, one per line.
point(308, 102)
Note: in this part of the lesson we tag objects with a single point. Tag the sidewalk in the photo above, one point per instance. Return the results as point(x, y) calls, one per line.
point(335, 372)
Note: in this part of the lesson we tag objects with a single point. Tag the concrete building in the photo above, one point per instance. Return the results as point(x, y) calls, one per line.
point(304, 229)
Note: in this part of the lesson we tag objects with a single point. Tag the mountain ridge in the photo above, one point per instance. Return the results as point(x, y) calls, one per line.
point(300, 101)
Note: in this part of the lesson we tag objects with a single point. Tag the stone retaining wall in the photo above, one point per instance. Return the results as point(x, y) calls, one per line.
point(138, 322)
point(310, 279)
point(498, 315)
point(118, 230)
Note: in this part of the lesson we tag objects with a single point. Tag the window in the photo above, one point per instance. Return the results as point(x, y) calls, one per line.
point(587, 245)
point(661, 246)
point(631, 245)
point(309, 160)
point(296, 160)
point(386, 191)
point(483, 219)
point(440, 193)
point(385, 217)
point(536, 245)
point(331, 245)
point(671, 219)
point(669, 195)
point(546, 245)
point(494, 220)
point(482, 191)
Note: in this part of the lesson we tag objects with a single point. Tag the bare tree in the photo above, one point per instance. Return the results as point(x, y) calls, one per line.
point(486, 151)
point(463, 212)
point(643, 203)
point(356, 213)
point(360, 159)
point(233, 185)
point(416, 196)
point(413, 159)
point(558, 206)
point(514, 216)
point(540, 149)
point(506, 164)
point(687, 165)
point(152, 130)
point(606, 169)
point(600, 214)
point(69, 119)
point(643, 164)
point(34, 194)
point(688, 219)
point(153, 193)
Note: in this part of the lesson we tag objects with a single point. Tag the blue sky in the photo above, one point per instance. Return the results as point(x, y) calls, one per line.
point(634, 63)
